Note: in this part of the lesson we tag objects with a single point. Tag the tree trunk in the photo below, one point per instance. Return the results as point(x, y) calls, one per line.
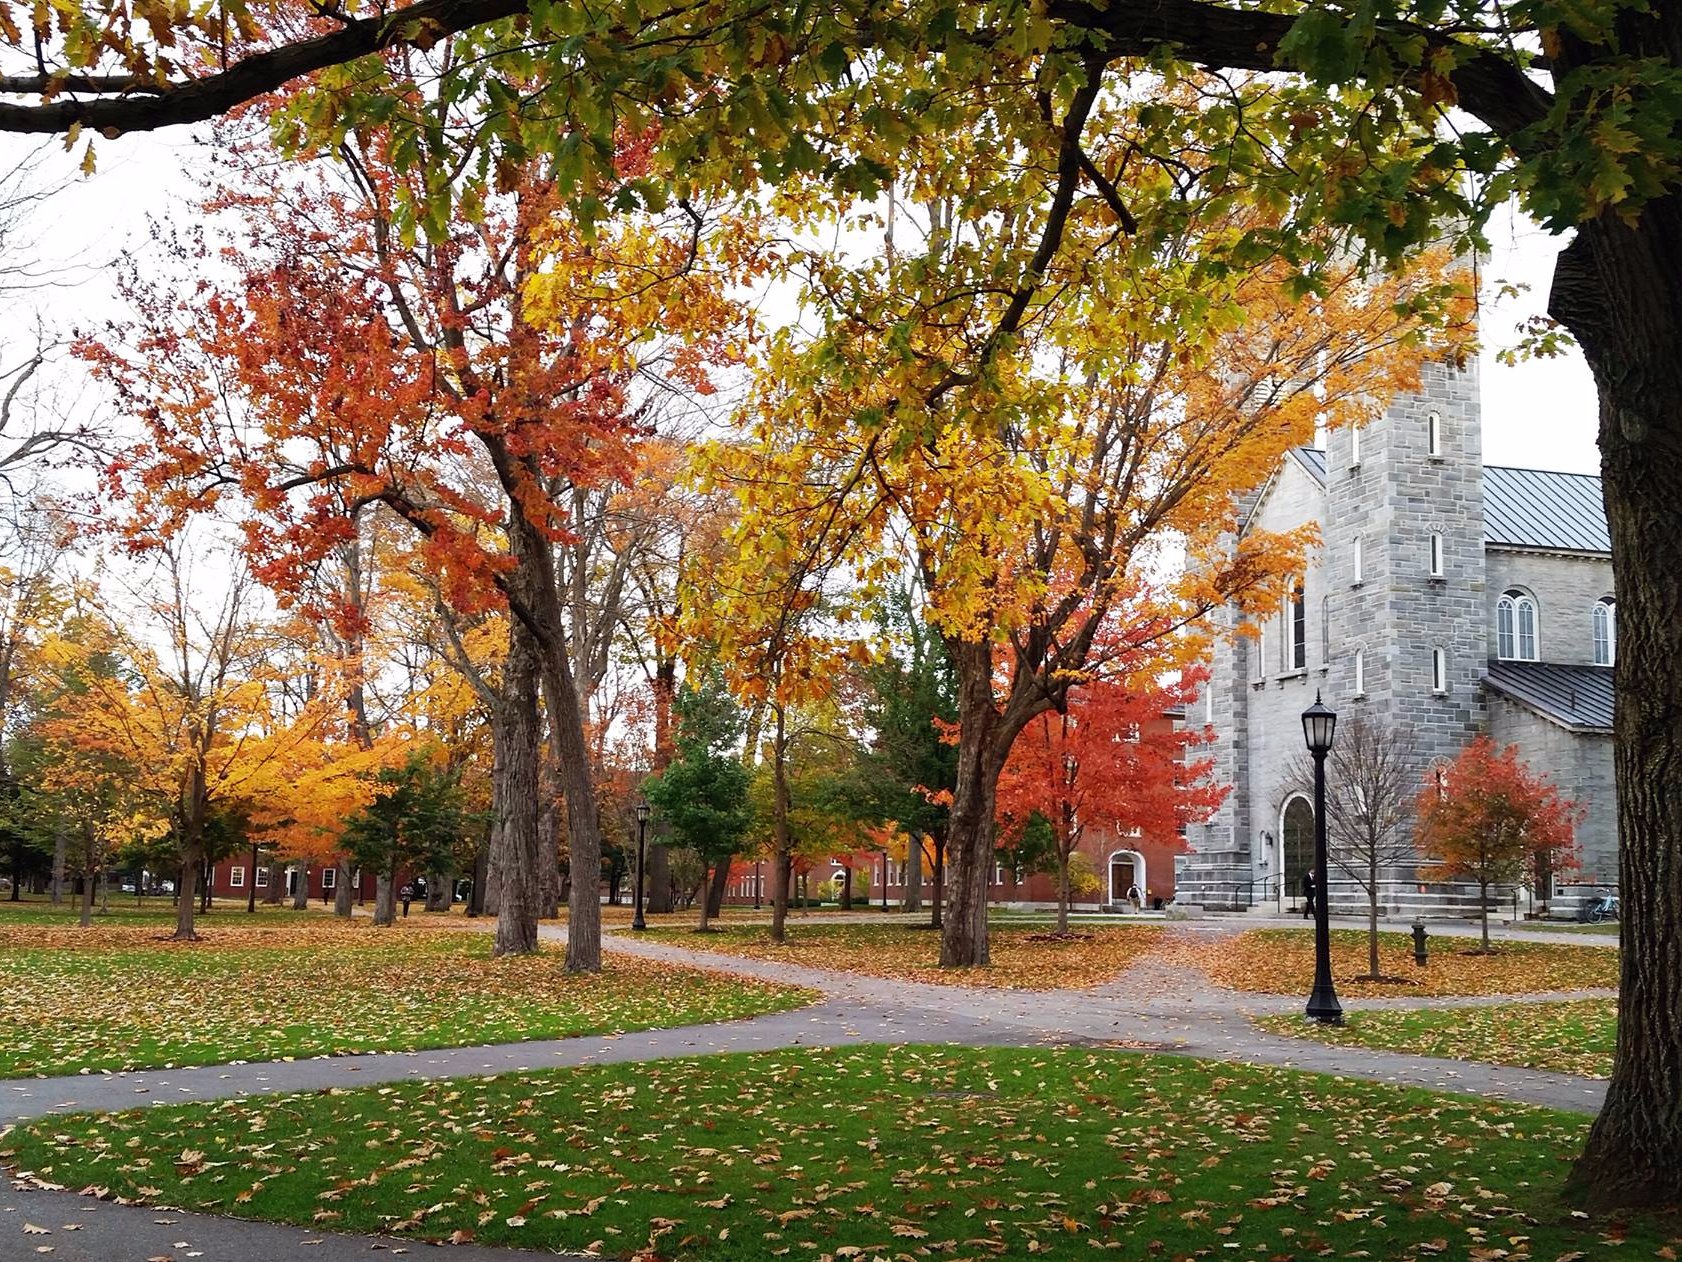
point(1062, 891)
point(88, 880)
point(1618, 288)
point(385, 898)
point(438, 891)
point(847, 887)
point(657, 862)
point(517, 857)
point(1372, 932)
point(192, 857)
point(782, 849)
point(963, 938)
point(344, 893)
point(715, 891)
point(912, 896)
point(1483, 910)
point(61, 843)
point(490, 901)
point(275, 890)
point(301, 894)
point(703, 902)
point(476, 895)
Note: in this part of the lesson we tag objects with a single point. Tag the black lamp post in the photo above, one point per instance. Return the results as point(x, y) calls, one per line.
point(637, 922)
point(1319, 722)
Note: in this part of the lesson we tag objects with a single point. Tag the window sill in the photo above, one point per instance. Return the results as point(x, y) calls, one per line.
point(1440, 579)
point(1440, 693)
point(1357, 585)
point(1359, 696)
point(1300, 672)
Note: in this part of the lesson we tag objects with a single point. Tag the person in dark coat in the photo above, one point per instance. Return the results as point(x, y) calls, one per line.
point(1309, 891)
point(407, 895)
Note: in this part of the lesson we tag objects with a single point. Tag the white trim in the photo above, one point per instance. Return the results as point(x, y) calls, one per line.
point(1360, 566)
point(329, 877)
point(1603, 623)
point(236, 877)
point(1439, 671)
point(1140, 880)
point(1434, 434)
point(262, 875)
point(1360, 672)
point(1436, 551)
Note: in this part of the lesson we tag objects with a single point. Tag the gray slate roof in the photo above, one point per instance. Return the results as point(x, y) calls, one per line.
point(1314, 460)
point(1525, 508)
point(1537, 508)
point(1577, 697)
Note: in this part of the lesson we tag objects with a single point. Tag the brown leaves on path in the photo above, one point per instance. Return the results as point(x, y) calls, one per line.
point(1024, 958)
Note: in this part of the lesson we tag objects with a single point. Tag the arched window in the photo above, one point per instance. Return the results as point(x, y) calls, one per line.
point(1434, 434)
point(1516, 627)
point(1354, 445)
point(1436, 554)
point(1605, 618)
point(1356, 559)
point(1360, 672)
point(1439, 670)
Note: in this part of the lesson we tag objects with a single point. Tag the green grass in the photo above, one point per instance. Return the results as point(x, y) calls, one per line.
point(1574, 1037)
point(112, 998)
point(870, 1152)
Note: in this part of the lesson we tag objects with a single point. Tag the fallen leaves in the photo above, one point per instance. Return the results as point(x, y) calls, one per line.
point(1023, 958)
point(1069, 1150)
point(316, 987)
point(1281, 962)
point(1568, 1037)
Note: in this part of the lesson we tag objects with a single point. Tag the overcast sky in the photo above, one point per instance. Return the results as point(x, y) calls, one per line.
point(1539, 414)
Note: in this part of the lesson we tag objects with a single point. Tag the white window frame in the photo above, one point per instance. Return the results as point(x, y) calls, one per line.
point(1436, 554)
point(1434, 435)
point(1354, 446)
point(1261, 652)
point(1604, 619)
point(1439, 671)
point(1529, 629)
point(1360, 672)
point(261, 876)
point(329, 876)
point(1518, 619)
point(236, 877)
point(1359, 558)
point(1295, 635)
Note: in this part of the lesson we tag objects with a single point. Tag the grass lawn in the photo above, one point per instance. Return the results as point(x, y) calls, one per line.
point(1281, 962)
point(871, 1152)
point(1576, 1037)
point(157, 911)
point(1024, 957)
point(120, 997)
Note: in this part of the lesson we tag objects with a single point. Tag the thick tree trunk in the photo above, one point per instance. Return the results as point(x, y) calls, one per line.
point(88, 882)
point(937, 901)
point(1618, 287)
point(715, 891)
point(186, 896)
point(963, 938)
point(516, 857)
point(344, 893)
point(301, 893)
point(385, 898)
point(275, 890)
point(847, 888)
point(490, 901)
point(439, 891)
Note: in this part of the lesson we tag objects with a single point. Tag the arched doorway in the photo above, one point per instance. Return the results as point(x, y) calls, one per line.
point(1127, 874)
point(1296, 845)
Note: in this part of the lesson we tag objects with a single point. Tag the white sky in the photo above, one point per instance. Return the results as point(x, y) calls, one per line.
point(1539, 413)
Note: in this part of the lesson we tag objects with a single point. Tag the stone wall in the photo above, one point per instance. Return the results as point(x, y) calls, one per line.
point(1580, 765)
point(1566, 589)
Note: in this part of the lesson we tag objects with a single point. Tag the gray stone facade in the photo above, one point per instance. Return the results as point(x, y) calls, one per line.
point(1400, 619)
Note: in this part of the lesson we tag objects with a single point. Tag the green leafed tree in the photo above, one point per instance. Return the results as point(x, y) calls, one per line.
point(703, 792)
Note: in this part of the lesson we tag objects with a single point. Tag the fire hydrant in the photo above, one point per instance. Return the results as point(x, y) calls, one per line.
point(1419, 952)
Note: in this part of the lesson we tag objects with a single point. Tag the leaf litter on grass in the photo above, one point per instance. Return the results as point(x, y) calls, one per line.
point(872, 1151)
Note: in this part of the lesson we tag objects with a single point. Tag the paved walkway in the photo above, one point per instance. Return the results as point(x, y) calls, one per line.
point(1155, 1006)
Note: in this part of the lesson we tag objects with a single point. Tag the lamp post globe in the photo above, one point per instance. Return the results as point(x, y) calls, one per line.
point(1319, 726)
point(642, 812)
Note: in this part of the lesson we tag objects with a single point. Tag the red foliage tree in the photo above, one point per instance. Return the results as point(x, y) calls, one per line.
point(1110, 760)
point(1487, 818)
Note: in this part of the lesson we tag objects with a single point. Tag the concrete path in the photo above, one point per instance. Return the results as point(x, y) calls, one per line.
point(1155, 1006)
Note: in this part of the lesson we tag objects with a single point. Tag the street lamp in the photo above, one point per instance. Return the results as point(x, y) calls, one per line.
point(637, 922)
point(1319, 722)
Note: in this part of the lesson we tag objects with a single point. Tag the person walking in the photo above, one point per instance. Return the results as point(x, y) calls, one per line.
point(1309, 893)
point(408, 897)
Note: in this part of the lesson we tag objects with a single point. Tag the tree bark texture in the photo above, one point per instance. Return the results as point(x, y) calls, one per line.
point(1618, 288)
point(385, 898)
point(963, 938)
point(715, 890)
point(912, 897)
point(516, 856)
point(344, 892)
point(61, 843)
point(782, 847)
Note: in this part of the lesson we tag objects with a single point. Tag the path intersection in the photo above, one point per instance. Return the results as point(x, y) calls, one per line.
point(1155, 1006)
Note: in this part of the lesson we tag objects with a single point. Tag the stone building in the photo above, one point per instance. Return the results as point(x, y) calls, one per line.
point(1445, 598)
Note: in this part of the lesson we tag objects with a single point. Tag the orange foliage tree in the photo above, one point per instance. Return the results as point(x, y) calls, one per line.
point(1486, 815)
point(493, 375)
point(1114, 760)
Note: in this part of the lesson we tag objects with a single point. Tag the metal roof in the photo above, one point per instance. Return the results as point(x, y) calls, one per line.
point(1314, 460)
point(1538, 508)
point(1577, 697)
